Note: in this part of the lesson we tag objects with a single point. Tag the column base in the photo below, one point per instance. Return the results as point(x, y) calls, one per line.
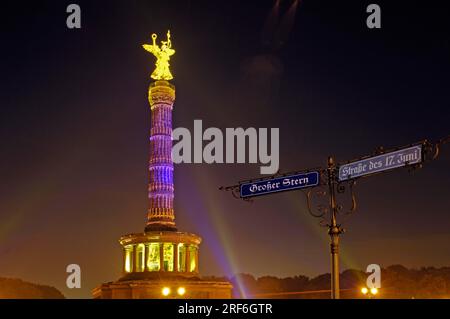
point(153, 289)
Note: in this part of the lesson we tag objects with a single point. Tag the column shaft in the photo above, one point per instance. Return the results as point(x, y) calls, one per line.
point(124, 269)
point(161, 257)
point(175, 257)
point(196, 260)
point(146, 256)
point(187, 263)
point(133, 258)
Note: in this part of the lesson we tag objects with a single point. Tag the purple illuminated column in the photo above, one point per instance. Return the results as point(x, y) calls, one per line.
point(161, 215)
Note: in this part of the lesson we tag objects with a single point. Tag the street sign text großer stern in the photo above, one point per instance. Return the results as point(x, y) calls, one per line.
point(279, 184)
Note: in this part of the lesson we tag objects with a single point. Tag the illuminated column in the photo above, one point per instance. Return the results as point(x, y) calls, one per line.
point(128, 258)
point(161, 257)
point(147, 255)
point(188, 257)
point(124, 260)
point(133, 257)
point(137, 258)
point(196, 259)
point(161, 190)
point(175, 257)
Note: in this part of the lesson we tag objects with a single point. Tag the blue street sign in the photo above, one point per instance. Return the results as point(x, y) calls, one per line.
point(387, 161)
point(280, 184)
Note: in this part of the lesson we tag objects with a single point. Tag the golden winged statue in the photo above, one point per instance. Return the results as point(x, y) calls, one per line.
point(162, 54)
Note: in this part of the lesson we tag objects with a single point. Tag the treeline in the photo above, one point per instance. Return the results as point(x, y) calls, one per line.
point(19, 289)
point(397, 282)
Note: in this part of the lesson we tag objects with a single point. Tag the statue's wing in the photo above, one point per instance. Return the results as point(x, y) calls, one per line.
point(150, 48)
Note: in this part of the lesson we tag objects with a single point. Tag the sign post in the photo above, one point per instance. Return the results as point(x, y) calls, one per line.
point(336, 177)
point(334, 230)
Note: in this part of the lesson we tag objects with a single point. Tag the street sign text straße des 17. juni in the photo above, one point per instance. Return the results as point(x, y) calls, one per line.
point(387, 161)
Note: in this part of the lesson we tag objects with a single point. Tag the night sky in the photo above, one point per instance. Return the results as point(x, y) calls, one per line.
point(75, 124)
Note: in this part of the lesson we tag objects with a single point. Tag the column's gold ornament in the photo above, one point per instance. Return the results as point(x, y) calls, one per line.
point(162, 54)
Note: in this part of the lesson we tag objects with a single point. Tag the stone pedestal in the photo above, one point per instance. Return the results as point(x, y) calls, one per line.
point(194, 288)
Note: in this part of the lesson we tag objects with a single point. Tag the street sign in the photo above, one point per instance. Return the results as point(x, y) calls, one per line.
point(280, 184)
point(387, 161)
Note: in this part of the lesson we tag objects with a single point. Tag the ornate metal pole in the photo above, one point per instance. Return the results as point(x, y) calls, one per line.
point(329, 215)
point(334, 230)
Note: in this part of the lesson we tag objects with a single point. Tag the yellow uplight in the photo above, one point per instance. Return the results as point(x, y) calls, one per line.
point(166, 291)
point(181, 291)
point(364, 290)
point(374, 291)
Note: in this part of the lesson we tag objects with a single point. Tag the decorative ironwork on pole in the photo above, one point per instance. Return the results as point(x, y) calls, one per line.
point(328, 215)
point(432, 150)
